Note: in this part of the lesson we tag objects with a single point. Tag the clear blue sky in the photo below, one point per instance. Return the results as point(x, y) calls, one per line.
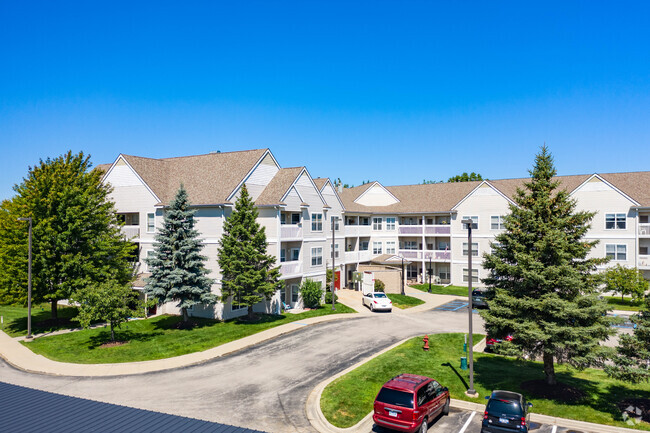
point(395, 91)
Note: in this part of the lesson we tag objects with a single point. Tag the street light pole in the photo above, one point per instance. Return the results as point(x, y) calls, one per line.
point(430, 273)
point(402, 276)
point(29, 278)
point(334, 220)
point(471, 391)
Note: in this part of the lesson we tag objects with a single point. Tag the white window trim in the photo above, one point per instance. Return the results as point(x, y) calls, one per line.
point(475, 252)
point(314, 256)
point(391, 247)
point(473, 218)
point(466, 275)
point(318, 222)
point(376, 244)
point(391, 225)
point(500, 225)
point(154, 222)
point(377, 223)
point(616, 214)
point(616, 253)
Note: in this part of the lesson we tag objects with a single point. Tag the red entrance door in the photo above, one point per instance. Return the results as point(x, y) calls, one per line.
point(337, 281)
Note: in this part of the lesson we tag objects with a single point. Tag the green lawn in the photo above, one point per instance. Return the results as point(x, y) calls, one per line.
point(616, 303)
point(442, 290)
point(403, 301)
point(15, 319)
point(348, 399)
point(157, 338)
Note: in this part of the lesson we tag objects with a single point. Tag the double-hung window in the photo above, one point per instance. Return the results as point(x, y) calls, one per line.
point(390, 223)
point(474, 249)
point(376, 248)
point(151, 223)
point(363, 246)
point(474, 219)
point(336, 251)
point(317, 222)
point(390, 247)
point(616, 252)
point(615, 221)
point(496, 222)
point(317, 256)
point(376, 223)
point(474, 275)
point(335, 222)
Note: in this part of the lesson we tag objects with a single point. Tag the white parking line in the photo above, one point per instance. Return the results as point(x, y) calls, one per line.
point(467, 423)
point(554, 429)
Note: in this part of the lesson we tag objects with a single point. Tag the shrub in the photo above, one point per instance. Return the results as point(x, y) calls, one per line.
point(311, 293)
point(380, 286)
point(328, 297)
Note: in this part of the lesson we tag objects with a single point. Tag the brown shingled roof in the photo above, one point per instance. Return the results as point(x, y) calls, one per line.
point(278, 187)
point(509, 186)
point(320, 182)
point(208, 179)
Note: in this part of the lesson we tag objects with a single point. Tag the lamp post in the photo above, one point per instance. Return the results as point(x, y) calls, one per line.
point(29, 279)
point(470, 392)
point(430, 273)
point(402, 286)
point(334, 221)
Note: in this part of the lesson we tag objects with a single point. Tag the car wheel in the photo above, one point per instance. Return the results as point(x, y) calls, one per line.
point(372, 308)
point(424, 426)
point(445, 410)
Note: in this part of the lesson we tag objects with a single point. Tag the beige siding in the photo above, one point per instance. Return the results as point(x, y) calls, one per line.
point(376, 196)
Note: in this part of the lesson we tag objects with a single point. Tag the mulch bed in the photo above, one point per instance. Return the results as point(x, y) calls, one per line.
point(560, 392)
point(636, 407)
point(112, 344)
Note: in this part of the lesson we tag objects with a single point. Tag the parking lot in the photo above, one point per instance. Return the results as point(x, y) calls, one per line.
point(461, 421)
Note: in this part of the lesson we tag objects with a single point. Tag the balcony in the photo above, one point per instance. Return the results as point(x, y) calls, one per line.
point(357, 256)
point(354, 230)
point(130, 232)
point(409, 230)
point(644, 229)
point(441, 229)
point(644, 262)
point(290, 231)
point(288, 269)
point(411, 254)
point(438, 255)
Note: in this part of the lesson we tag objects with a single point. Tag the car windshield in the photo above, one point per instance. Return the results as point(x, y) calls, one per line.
point(394, 397)
point(499, 406)
point(478, 293)
point(379, 295)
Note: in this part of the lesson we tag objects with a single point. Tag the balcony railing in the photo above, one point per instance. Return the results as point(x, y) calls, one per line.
point(354, 230)
point(438, 255)
point(290, 231)
point(357, 256)
point(441, 229)
point(409, 230)
point(131, 232)
point(644, 229)
point(290, 268)
point(644, 262)
point(411, 254)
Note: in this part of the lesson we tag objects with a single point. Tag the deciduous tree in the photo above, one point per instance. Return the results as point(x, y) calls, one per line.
point(178, 272)
point(77, 241)
point(626, 281)
point(545, 288)
point(247, 272)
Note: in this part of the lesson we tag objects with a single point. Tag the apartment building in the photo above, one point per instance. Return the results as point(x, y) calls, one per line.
point(421, 223)
point(309, 223)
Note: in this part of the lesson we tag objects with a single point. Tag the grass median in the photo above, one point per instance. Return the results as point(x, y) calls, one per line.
point(403, 301)
point(625, 304)
point(348, 399)
point(159, 337)
point(442, 290)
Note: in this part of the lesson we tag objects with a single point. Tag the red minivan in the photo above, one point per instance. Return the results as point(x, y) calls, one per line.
point(409, 402)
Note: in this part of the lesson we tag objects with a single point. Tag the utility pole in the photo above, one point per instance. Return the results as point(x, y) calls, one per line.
point(29, 279)
point(430, 273)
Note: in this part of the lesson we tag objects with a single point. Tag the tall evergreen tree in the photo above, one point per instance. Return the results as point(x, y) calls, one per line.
point(545, 287)
point(76, 234)
point(247, 271)
point(632, 358)
point(178, 272)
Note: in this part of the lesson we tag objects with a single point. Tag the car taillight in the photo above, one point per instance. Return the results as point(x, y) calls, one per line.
point(523, 421)
point(416, 415)
point(374, 302)
point(485, 415)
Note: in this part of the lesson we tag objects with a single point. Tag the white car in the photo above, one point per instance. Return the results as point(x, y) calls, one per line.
point(377, 301)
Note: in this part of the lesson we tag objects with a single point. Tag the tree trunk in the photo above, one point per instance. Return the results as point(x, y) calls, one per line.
point(549, 369)
point(250, 312)
point(186, 317)
point(112, 332)
point(55, 313)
